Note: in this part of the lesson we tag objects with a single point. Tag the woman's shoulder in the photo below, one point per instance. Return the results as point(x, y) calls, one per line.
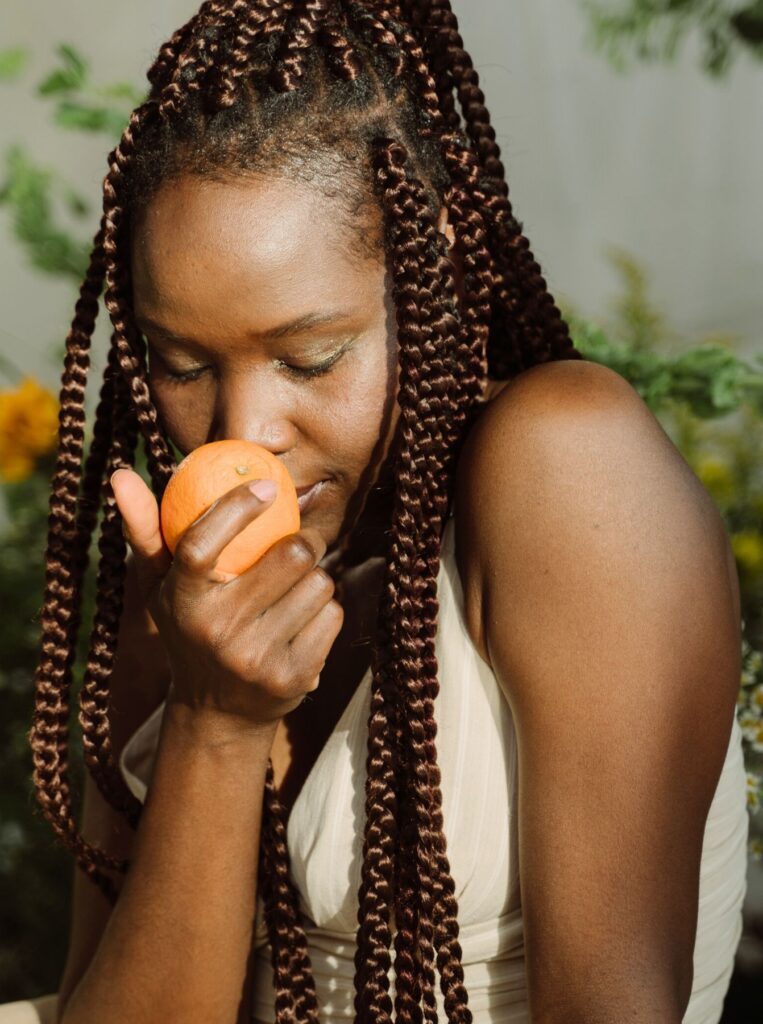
point(566, 462)
point(497, 441)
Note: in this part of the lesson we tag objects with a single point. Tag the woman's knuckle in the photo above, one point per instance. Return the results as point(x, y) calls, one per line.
point(299, 551)
point(190, 554)
point(321, 582)
point(267, 669)
point(335, 609)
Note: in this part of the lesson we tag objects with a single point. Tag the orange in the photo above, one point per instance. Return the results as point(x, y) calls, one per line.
point(210, 471)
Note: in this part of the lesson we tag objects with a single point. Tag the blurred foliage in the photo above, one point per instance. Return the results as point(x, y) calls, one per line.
point(29, 191)
point(35, 873)
point(691, 391)
point(38, 198)
point(652, 30)
point(12, 63)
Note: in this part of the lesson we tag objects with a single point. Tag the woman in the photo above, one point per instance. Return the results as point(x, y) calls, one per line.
point(411, 763)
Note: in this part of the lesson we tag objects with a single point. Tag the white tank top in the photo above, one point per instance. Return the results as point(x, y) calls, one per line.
point(476, 750)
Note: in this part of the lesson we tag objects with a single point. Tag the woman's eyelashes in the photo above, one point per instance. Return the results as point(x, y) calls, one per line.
point(299, 372)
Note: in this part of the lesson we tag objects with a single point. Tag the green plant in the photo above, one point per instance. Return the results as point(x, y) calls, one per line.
point(39, 199)
point(652, 30)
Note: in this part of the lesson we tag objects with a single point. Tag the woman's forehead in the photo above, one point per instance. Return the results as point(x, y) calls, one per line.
point(200, 241)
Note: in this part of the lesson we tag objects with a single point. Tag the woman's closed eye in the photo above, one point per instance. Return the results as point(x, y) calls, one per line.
point(301, 372)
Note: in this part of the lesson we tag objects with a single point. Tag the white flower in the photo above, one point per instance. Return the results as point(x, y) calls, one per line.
point(752, 729)
point(756, 699)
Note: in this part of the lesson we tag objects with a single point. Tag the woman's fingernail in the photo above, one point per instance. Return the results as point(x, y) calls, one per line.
point(263, 489)
point(111, 478)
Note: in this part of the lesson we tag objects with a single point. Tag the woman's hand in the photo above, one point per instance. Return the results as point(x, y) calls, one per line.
point(244, 649)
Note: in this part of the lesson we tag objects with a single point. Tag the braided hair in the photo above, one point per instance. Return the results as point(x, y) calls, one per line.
point(365, 92)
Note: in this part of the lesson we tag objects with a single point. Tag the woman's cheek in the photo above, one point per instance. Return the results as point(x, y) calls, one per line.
point(366, 422)
point(186, 414)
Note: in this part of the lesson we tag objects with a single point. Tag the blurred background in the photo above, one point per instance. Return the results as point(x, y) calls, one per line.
point(630, 131)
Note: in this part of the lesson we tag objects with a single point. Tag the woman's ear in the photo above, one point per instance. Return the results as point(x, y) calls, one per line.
point(446, 228)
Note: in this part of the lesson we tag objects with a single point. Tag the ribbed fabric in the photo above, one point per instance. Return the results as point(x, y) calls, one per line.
point(477, 756)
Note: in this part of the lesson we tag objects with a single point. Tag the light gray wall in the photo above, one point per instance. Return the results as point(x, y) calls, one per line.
point(662, 162)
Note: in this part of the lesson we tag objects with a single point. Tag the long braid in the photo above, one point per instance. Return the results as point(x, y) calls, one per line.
point(48, 736)
point(71, 526)
point(106, 453)
point(414, 975)
point(293, 981)
point(424, 339)
point(465, 202)
point(522, 290)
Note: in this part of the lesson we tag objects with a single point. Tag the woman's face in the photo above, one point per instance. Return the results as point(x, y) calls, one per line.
point(263, 324)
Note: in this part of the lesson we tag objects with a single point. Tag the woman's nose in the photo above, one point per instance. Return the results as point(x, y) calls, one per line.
point(251, 407)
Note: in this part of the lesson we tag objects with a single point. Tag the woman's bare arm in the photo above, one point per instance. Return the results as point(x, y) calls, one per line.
point(175, 947)
point(612, 624)
point(138, 684)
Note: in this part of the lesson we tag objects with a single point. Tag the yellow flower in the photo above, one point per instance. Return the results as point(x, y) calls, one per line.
point(28, 428)
point(753, 792)
point(717, 478)
point(747, 546)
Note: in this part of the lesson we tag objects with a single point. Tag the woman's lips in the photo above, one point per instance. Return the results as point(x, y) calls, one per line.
point(307, 495)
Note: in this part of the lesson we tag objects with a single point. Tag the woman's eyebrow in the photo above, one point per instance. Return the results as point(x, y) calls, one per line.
point(284, 330)
point(302, 323)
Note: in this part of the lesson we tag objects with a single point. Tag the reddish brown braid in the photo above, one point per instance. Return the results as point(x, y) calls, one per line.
point(414, 948)
point(427, 339)
point(253, 24)
point(214, 57)
point(108, 450)
point(300, 32)
point(293, 982)
point(526, 307)
point(465, 201)
point(178, 42)
point(65, 564)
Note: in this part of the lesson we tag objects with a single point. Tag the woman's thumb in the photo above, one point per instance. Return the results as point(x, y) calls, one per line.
point(140, 516)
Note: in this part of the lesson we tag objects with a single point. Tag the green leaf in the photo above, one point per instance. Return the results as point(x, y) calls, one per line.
point(748, 23)
point(12, 63)
point(654, 29)
point(27, 191)
point(69, 78)
point(62, 80)
point(73, 59)
point(121, 91)
point(75, 203)
point(77, 116)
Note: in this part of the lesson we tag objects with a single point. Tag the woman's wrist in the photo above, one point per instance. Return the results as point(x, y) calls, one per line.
point(217, 730)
